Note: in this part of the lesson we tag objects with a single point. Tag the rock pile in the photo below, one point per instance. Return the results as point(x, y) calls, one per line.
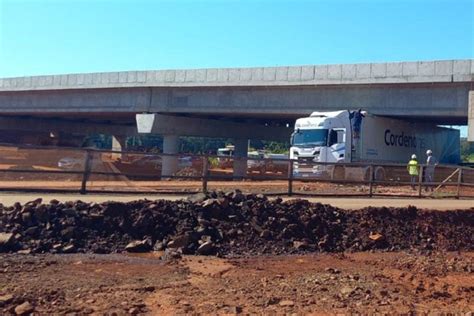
point(227, 224)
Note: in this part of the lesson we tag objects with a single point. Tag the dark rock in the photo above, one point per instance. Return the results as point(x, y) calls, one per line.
point(266, 234)
point(300, 245)
point(171, 254)
point(179, 242)
point(69, 212)
point(34, 202)
point(31, 231)
point(158, 246)
point(7, 242)
point(138, 246)
point(206, 248)
point(69, 249)
point(68, 232)
point(197, 198)
point(114, 209)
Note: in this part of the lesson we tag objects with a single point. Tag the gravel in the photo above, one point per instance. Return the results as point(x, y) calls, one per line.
point(227, 224)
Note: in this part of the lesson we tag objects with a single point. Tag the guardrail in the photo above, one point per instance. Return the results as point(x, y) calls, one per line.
point(36, 169)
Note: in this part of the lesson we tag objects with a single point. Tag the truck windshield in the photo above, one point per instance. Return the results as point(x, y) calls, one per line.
point(313, 137)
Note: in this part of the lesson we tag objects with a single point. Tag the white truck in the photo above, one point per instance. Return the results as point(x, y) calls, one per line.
point(339, 137)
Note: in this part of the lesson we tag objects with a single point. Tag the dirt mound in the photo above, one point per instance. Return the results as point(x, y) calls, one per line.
point(227, 224)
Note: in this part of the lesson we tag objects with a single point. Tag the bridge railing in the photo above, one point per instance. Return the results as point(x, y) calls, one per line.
point(58, 169)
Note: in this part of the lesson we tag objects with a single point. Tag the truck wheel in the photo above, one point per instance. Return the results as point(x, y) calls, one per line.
point(379, 174)
point(338, 173)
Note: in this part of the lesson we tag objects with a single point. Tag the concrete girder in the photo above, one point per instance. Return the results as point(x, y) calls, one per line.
point(188, 126)
point(309, 75)
point(446, 103)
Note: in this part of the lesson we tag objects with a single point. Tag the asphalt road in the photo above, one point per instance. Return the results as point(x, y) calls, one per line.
point(347, 203)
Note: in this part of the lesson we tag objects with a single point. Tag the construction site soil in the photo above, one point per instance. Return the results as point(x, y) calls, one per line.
point(267, 255)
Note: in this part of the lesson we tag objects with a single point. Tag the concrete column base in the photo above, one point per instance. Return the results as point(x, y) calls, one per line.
point(240, 155)
point(169, 164)
point(470, 118)
point(118, 144)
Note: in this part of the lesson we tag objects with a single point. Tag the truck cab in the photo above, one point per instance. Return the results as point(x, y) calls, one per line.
point(321, 137)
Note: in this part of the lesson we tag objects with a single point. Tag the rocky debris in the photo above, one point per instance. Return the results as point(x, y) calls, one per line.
point(206, 248)
point(24, 308)
point(300, 245)
point(171, 255)
point(5, 299)
point(7, 241)
point(375, 236)
point(138, 246)
point(229, 224)
point(287, 303)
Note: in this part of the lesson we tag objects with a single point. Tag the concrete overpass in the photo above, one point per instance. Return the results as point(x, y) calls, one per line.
point(237, 102)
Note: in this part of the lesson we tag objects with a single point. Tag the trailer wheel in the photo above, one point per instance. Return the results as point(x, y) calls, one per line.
point(263, 170)
point(379, 174)
point(338, 173)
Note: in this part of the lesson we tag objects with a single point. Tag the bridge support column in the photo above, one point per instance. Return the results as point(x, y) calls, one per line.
point(470, 117)
point(118, 144)
point(169, 164)
point(240, 153)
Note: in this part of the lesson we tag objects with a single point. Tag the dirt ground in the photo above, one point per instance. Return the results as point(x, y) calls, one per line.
point(314, 283)
point(346, 203)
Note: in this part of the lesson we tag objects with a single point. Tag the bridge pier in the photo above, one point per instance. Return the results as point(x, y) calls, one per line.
point(240, 154)
point(169, 164)
point(118, 144)
point(470, 118)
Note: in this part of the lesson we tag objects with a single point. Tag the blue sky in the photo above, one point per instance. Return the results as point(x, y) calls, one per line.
point(52, 36)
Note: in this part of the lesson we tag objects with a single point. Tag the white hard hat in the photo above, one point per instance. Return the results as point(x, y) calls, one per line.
point(429, 152)
point(413, 156)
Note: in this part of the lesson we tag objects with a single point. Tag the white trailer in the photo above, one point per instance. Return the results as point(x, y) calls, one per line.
point(329, 137)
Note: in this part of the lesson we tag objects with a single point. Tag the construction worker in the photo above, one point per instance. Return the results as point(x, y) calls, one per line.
point(431, 163)
point(356, 121)
point(412, 168)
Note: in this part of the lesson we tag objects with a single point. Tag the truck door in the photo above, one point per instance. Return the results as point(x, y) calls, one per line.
point(336, 145)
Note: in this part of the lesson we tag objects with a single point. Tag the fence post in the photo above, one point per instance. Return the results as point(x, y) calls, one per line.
point(420, 180)
point(290, 178)
point(86, 172)
point(459, 183)
point(371, 180)
point(205, 171)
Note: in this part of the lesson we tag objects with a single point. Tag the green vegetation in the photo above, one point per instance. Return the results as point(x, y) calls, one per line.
point(467, 151)
point(192, 145)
